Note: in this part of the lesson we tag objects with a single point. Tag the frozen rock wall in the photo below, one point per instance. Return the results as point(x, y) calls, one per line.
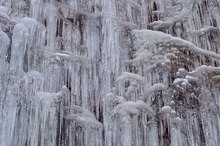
point(109, 73)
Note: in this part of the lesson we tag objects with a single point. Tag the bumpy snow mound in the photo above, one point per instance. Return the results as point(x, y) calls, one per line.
point(132, 108)
point(166, 110)
point(151, 38)
point(129, 76)
point(82, 117)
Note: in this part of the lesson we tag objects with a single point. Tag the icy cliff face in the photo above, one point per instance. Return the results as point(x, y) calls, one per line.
point(109, 73)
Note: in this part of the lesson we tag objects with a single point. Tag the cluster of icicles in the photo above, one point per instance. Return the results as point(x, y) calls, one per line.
point(109, 73)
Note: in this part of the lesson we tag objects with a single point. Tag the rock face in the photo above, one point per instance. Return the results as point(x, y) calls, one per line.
point(109, 73)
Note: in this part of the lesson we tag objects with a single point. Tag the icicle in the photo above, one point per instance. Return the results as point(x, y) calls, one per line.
point(4, 44)
point(19, 46)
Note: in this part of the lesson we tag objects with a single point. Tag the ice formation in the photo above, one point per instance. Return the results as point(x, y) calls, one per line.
point(109, 72)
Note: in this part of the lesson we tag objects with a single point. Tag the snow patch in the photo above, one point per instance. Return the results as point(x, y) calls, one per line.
point(129, 76)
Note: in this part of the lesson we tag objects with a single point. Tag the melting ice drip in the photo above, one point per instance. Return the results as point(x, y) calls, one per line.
point(109, 72)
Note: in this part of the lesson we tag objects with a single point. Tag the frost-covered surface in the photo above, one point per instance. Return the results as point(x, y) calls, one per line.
point(109, 72)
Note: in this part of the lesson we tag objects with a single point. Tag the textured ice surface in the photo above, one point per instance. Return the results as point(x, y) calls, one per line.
point(109, 72)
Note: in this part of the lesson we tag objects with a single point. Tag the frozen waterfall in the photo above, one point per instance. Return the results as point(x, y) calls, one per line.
point(109, 72)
